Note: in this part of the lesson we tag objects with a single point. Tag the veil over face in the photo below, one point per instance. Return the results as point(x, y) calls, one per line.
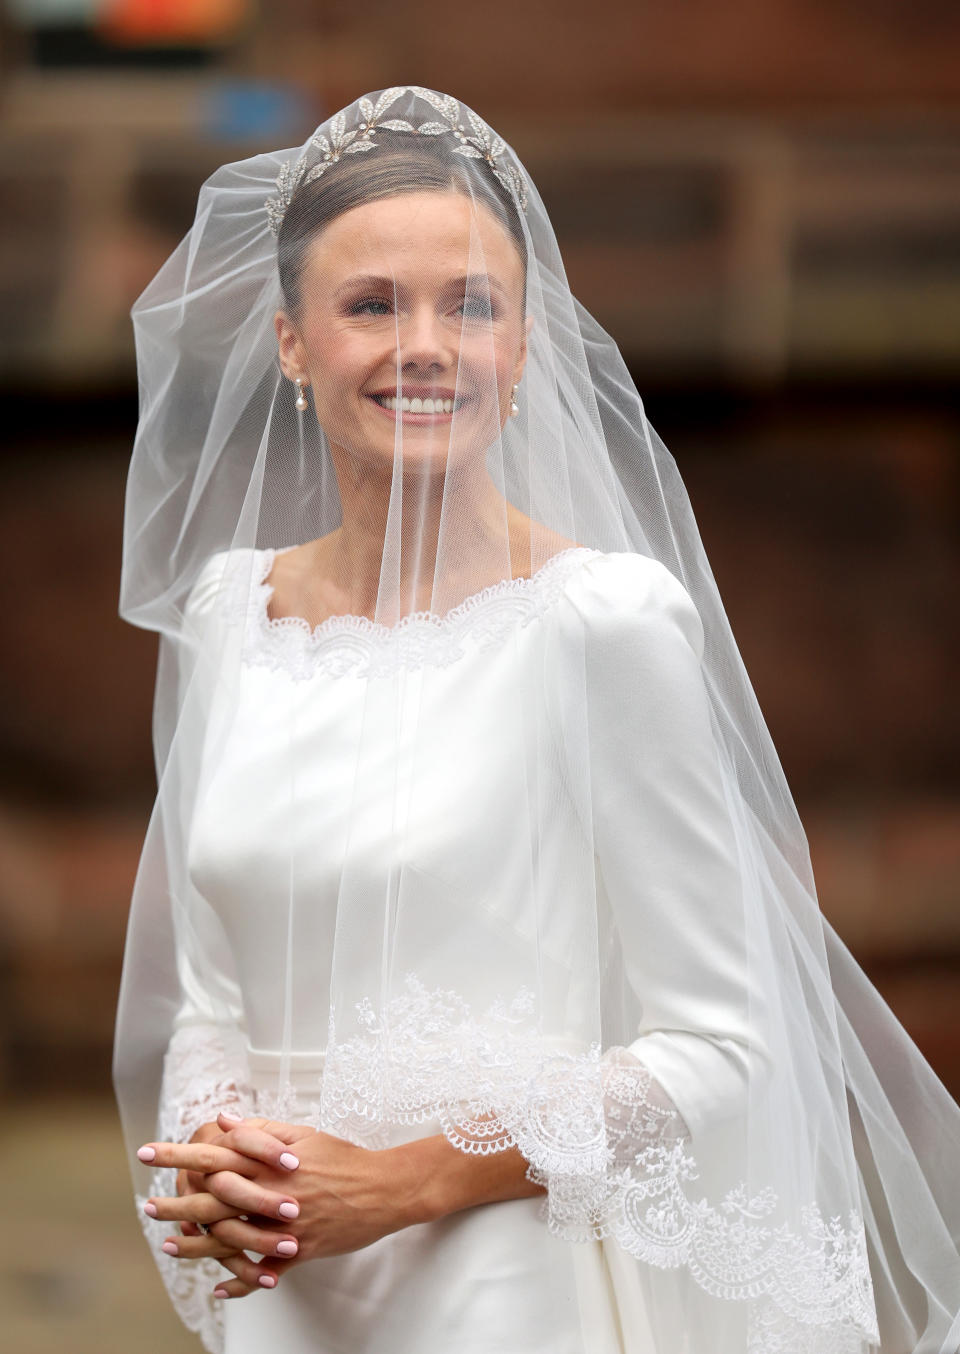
point(467, 817)
point(462, 334)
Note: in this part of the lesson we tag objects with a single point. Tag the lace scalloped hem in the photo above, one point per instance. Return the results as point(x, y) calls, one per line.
point(809, 1289)
point(605, 1141)
point(814, 1276)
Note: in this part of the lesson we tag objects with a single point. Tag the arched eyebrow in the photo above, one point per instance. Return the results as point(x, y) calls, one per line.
point(462, 283)
point(483, 280)
point(365, 280)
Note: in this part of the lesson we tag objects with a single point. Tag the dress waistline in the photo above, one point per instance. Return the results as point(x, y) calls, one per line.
point(301, 1068)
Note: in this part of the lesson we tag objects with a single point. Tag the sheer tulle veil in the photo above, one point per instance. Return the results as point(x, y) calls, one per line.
point(611, 954)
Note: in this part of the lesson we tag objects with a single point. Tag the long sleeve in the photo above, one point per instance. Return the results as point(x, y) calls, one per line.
point(696, 1174)
point(204, 1071)
point(665, 844)
point(644, 767)
point(204, 1068)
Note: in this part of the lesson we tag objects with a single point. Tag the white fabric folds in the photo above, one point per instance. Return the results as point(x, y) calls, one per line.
point(467, 818)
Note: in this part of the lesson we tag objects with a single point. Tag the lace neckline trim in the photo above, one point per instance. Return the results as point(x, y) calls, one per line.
point(356, 645)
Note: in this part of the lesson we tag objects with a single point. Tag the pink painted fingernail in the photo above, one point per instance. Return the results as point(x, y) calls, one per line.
point(150, 1210)
point(146, 1153)
point(289, 1210)
point(289, 1160)
point(287, 1248)
point(267, 1281)
point(220, 1293)
point(234, 1118)
point(171, 1248)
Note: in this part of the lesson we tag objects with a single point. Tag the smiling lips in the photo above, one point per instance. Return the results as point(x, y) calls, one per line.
point(419, 407)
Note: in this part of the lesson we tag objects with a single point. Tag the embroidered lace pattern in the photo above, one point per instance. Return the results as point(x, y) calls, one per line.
point(600, 1134)
point(357, 646)
point(609, 1146)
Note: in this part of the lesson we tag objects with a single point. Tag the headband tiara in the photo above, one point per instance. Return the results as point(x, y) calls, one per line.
point(482, 143)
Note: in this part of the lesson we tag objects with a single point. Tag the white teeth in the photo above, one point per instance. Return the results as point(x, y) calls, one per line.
point(415, 405)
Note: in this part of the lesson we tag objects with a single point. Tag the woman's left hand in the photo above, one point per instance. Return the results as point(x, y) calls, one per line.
point(348, 1197)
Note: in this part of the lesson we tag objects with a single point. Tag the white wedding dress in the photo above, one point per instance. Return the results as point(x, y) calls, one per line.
point(491, 1279)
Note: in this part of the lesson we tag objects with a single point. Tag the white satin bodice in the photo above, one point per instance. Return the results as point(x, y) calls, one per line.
point(332, 792)
point(507, 840)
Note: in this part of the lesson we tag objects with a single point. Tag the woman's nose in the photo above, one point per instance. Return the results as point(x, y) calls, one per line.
point(423, 341)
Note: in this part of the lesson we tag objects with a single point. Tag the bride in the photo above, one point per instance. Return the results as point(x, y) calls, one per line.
point(476, 994)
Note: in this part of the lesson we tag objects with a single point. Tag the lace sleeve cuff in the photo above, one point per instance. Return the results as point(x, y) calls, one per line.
point(645, 1137)
point(203, 1073)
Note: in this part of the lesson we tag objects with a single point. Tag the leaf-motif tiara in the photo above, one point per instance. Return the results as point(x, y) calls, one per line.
point(479, 142)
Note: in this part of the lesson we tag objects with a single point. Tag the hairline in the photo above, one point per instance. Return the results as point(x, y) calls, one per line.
point(453, 186)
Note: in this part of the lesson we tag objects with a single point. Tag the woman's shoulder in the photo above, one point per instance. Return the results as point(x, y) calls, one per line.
point(220, 577)
point(623, 592)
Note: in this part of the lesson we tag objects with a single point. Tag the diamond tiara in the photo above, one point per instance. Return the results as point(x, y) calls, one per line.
point(480, 142)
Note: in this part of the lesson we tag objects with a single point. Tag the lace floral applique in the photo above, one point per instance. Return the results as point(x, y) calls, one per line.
point(613, 1153)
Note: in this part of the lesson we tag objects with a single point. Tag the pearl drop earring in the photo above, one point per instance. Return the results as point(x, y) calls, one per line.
point(301, 400)
point(514, 407)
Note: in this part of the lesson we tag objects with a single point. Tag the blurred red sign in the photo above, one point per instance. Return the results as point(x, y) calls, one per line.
point(170, 21)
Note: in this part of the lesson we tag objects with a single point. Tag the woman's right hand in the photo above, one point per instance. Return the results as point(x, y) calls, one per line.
point(264, 1141)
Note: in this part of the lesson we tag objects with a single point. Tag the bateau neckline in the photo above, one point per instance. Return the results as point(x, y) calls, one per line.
point(351, 645)
point(451, 619)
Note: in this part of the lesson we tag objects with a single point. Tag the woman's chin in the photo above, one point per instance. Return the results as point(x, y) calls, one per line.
point(426, 447)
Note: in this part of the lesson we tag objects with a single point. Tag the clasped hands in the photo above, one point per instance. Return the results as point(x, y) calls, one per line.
point(283, 1191)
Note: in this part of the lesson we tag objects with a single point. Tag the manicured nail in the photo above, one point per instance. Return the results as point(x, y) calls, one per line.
point(171, 1248)
point(220, 1293)
point(150, 1210)
point(287, 1248)
point(267, 1281)
point(146, 1153)
point(287, 1159)
point(285, 1211)
point(234, 1118)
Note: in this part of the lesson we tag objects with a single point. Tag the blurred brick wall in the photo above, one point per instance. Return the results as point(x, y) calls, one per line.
point(550, 55)
point(760, 200)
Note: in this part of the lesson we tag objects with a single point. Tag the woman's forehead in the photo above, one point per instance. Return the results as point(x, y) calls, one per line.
point(417, 234)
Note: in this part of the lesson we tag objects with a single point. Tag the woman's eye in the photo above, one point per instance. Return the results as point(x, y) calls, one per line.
point(370, 305)
point(476, 306)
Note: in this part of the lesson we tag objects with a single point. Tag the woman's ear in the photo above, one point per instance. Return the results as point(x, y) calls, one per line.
point(522, 354)
point(289, 347)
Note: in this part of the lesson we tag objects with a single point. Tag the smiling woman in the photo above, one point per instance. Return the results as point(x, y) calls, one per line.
point(465, 336)
point(386, 277)
point(372, 264)
point(476, 994)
